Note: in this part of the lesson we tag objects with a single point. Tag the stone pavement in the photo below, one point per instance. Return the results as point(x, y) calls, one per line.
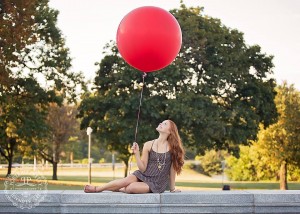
point(73, 201)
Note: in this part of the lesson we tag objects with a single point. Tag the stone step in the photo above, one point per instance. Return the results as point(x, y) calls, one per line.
point(75, 201)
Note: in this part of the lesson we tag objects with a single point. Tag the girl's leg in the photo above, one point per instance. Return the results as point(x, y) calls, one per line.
point(136, 188)
point(113, 185)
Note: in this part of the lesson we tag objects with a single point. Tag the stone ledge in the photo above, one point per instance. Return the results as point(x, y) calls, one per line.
point(255, 201)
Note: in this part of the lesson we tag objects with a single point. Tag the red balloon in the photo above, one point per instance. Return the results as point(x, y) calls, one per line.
point(149, 38)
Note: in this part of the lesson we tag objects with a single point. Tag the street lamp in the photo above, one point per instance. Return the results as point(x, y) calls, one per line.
point(113, 163)
point(225, 187)
point(89, 132)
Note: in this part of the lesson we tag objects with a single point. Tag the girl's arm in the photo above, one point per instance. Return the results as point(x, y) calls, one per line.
point(141, 161)
point(172, 180)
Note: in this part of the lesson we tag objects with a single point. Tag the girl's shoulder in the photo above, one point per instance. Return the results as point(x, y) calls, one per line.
point(148, 144)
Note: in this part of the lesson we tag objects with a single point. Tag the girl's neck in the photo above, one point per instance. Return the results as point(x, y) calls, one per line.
point(163, 138)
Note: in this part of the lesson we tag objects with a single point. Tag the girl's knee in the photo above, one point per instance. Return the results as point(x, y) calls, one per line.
point(137, 187)
point(128, 180)
point(130, 189)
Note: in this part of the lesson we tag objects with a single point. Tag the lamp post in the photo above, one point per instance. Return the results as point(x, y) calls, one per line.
point(223, 168)
point(225, 187)
point(89, 132)
point(113, 163)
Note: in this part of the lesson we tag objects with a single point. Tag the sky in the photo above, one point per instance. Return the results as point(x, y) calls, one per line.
point(272, 24)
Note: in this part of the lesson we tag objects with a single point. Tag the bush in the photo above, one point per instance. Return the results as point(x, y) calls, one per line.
point(211, 162)
point(76, 161)
point(102, 160)
point(85, 161)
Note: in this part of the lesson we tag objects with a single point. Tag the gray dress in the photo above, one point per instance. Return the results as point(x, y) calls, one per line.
point(157, 179)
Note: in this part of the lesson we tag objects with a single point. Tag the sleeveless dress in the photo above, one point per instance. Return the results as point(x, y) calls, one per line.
point(157, 179)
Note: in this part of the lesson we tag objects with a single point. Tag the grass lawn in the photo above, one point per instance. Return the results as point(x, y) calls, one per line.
point(76, 178)
point(238, 185)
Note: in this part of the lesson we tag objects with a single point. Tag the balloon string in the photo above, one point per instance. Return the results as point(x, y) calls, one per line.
point(138, 115)
point(138, 118)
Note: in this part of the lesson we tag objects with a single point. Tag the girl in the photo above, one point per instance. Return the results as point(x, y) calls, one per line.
point(161, 160)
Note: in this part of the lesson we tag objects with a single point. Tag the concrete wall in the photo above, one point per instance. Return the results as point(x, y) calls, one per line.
point(265, 201)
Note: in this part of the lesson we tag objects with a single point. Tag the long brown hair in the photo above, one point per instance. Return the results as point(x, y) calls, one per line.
point(176, 148)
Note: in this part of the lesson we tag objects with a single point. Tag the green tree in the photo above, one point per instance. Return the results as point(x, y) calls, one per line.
point(34, 64)
point(281, 141)
point(251, 165)
point(217, 90)
point(62, 123)
point(275, 155)
point(222, 87)
point(16, 19)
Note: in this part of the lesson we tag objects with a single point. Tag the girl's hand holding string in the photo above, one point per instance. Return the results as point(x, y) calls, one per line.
point(135, 148)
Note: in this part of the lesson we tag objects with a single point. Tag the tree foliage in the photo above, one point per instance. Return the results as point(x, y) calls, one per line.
point(280, 141)
point(62, 123)
point(252, 165)
point(34, 65)
point(16, 19)
point(211, 162)
point(275, 155)
point(224, 83)
point(217, 90)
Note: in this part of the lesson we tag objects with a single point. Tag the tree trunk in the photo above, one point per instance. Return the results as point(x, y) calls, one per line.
point(10, 159)
point(126, 168)
point(54, 174)
point(55, 159)
point(283, 176)
point(12, 144)
point(71, 158)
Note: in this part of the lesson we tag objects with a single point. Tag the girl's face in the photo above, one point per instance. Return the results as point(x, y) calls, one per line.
point(164, 127)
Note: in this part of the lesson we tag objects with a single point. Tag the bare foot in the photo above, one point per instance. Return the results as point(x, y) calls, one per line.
point(90, 189)
point(122, 189)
